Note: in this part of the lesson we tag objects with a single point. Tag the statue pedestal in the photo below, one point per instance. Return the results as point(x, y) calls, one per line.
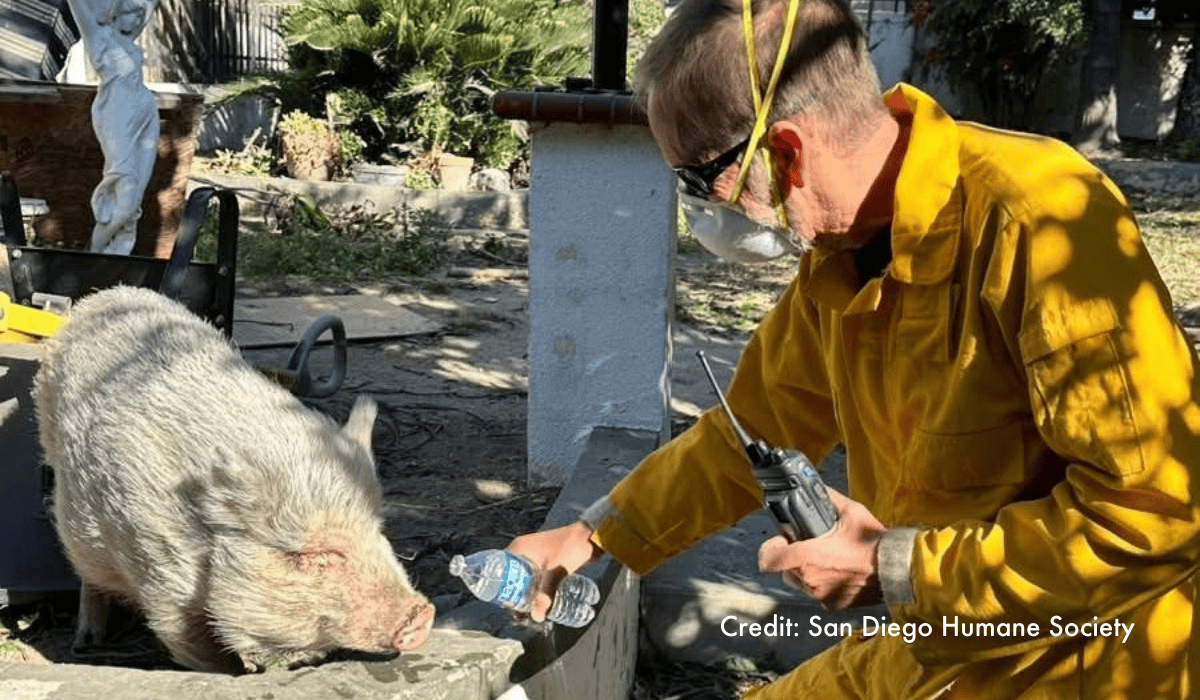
point(47, 143)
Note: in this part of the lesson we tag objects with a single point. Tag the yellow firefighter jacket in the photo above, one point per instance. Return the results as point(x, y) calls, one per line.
point(1015, 388)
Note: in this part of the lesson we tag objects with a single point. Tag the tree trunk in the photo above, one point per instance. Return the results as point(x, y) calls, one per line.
point(1097, 124)
point(1187, 115)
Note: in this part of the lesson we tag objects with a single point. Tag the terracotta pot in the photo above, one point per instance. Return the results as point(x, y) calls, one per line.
point(309, 157)
point(455, 171)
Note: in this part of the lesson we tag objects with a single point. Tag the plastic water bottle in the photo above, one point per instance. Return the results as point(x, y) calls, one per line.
point(511, 581)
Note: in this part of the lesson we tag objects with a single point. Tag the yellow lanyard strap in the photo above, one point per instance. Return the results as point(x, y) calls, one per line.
point(763, 102)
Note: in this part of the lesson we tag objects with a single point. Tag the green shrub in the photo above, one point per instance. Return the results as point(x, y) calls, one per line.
point(310, 148)
point(346, 243)
point(408, 76)
point(1003, 48)
point(254, 160)
point(420, 179)
point(646, 17)
point(1188, 150)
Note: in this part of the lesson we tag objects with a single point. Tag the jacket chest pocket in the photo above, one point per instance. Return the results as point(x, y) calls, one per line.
point(988, 458)
point(923, 327)
point(958, 402)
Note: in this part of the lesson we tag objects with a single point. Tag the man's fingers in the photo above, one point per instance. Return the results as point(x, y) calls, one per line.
point(839, 499)
point(541, 607)
point(773, 555)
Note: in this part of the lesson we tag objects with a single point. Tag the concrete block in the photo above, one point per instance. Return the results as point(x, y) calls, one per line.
point(1151, 178)
point(609, 455)
point(451, 666)
point(479, 210)
point(595, 662)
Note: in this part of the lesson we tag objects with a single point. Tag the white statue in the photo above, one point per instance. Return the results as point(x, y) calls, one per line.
point(124, 117)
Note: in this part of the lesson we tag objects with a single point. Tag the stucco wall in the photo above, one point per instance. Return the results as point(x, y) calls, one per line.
point(601, 295)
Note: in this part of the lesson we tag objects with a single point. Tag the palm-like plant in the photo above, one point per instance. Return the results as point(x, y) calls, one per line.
point(414, 75)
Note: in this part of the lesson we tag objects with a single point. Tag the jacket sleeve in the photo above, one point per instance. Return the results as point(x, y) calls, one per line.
point(700, 482)
point(1113, 390)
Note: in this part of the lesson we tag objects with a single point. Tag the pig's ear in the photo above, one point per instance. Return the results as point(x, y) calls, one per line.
point(361, 422)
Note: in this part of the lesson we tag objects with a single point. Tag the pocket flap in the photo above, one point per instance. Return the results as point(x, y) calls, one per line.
point(1047, 329)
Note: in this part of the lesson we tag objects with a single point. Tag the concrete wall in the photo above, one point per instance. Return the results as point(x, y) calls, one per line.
point(890, 37)
point(464, 210)
point(601, 296)
point(1151, 73)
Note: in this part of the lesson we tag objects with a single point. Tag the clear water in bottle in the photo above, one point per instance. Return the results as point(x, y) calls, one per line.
point(573, 601)
point(510, 580)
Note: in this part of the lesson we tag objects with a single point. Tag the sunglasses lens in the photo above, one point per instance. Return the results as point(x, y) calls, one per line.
point(698, 180)
point(693, 184)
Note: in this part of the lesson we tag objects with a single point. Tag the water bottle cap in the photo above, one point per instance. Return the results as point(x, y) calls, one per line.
point(457, 564)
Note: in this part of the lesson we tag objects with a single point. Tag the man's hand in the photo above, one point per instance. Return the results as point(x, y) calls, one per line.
point(561, 551)
point(838, 568)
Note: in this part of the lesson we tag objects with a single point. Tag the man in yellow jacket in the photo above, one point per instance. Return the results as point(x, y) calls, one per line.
point(976, 318)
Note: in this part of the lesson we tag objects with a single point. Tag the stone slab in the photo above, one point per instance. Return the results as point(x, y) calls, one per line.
point(1153, 178)
point(280, 321)
point(452, 665)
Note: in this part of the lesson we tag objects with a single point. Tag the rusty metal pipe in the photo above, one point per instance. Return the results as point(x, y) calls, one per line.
point(561, 106)
point(603, 99)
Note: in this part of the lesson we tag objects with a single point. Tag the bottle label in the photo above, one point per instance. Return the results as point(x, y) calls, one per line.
point(517, 579)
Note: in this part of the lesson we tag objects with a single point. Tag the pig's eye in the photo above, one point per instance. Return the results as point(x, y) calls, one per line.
point(318, 562)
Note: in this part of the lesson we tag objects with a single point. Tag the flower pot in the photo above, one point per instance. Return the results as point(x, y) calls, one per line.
point(454, 171)
point(309, 156)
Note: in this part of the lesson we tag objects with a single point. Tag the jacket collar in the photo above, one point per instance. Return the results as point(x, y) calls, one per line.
point(927, 214)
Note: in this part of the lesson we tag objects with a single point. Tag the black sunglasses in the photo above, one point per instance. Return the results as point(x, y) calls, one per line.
point(698, 179)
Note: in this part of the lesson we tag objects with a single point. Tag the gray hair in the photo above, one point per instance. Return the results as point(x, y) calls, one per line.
point(693, 76)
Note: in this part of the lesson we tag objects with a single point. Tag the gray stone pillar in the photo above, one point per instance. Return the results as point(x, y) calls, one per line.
point(601, 292)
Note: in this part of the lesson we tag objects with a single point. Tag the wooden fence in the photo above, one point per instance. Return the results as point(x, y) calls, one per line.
point(213, 41)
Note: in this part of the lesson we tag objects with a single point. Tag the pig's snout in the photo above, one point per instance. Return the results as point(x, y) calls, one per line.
point(414, 628)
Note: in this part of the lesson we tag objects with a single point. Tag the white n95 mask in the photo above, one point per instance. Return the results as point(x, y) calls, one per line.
point(731, 235)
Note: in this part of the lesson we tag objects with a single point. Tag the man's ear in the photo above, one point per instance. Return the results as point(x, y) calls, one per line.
point(787, 149)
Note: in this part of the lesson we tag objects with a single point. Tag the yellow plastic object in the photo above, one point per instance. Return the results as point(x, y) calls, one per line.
point(21, 324)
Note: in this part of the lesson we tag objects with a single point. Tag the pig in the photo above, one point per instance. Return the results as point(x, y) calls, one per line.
point(245, 526)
